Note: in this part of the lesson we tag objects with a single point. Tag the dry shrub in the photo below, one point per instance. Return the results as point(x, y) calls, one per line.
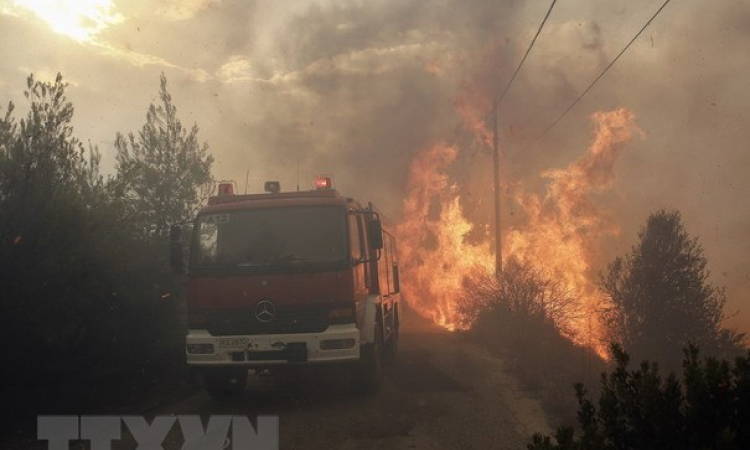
point(523, 314)
point(522, 291)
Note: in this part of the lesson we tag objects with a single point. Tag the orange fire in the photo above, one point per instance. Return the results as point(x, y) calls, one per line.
point(435, 256)
point(566, 228)
point(563, 232)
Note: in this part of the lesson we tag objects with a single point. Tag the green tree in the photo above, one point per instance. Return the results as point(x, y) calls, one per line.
point(662, 298)
point(50, 188)
point(83, 298)
point(163, 173)
point(640, 409)
point(40, 160)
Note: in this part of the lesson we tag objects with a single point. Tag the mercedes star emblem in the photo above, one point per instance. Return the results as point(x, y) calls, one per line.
point(265, 311)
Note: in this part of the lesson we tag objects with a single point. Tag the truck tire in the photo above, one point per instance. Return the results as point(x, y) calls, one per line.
point(222, 384)
point(368, 370)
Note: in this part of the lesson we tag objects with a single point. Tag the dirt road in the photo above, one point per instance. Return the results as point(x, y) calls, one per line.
point(443, 393)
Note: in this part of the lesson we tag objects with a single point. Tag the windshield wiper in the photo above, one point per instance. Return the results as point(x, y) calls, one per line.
point(272, 262)
point(256, 264)
point(293, 259)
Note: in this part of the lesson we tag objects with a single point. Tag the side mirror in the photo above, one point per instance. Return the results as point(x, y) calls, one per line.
point(376, 233)
point(176, 258)
point(396, 280)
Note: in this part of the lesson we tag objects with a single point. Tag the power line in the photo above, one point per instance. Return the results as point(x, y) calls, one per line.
point(499, 98)
point(578, 99)
point(496, 150)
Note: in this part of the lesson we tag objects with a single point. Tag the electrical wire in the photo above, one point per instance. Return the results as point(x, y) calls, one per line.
point(578, 99)
point(499, 98)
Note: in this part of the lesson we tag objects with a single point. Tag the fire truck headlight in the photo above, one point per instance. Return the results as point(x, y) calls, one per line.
point(200, 349)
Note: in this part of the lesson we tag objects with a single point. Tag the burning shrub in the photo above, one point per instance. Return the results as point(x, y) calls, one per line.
point(641, 410)
point(522, 291)
point(524, 314)
point(562, 228)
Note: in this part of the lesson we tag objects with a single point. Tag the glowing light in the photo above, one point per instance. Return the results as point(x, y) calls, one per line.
point(80, 20)
point(324, 182)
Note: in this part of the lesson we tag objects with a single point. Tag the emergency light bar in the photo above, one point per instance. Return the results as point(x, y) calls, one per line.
point(226, 189)
point(274, 187)
point(324, 182)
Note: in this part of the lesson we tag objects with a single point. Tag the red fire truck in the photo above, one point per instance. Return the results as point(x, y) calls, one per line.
point(284, 279)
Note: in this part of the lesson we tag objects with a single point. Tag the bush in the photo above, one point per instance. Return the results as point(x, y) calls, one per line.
point(641, 410)
point(523, 290)
point(522, 313)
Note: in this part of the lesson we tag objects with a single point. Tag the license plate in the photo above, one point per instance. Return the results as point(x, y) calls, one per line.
point(240, 343)
point(264, 345)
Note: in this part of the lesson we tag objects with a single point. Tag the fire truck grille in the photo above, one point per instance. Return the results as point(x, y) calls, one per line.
point(288, 320)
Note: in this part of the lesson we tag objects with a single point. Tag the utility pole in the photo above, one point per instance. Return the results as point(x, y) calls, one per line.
point(496, 151)
point(496, 173)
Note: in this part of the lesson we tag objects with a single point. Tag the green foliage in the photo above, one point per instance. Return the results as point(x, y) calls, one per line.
point(163, 173)
point(662, 298)
point(85, 295)
point(639, 409)
point(40, 160)
point(49, 188)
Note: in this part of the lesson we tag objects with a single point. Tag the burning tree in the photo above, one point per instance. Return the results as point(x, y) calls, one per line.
point(661, 296)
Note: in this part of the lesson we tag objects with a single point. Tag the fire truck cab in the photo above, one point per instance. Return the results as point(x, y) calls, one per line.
point(286, 279)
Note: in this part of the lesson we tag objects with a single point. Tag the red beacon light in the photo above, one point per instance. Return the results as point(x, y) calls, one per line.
point(226, 189)
point(324, 182)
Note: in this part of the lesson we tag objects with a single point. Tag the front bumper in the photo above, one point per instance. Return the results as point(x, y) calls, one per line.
point(273, 349)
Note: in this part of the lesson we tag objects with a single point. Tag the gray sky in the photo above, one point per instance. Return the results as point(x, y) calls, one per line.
point(357, 88)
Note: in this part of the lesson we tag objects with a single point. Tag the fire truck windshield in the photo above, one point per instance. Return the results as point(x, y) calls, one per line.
point(272, 237)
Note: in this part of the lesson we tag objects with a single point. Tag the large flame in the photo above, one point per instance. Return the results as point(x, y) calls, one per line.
point(566, 228)
point(563, 232)
point(435, 255)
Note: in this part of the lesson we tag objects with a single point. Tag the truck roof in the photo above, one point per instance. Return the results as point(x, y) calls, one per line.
point(281, 199)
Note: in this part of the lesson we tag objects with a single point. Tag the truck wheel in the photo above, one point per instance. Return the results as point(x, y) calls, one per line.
point(222, 384)
point(367, 372)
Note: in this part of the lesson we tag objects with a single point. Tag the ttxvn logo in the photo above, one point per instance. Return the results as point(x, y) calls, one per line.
point(102, 431)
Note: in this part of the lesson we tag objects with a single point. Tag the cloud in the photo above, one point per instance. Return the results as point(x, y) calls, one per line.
point(183, 9)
